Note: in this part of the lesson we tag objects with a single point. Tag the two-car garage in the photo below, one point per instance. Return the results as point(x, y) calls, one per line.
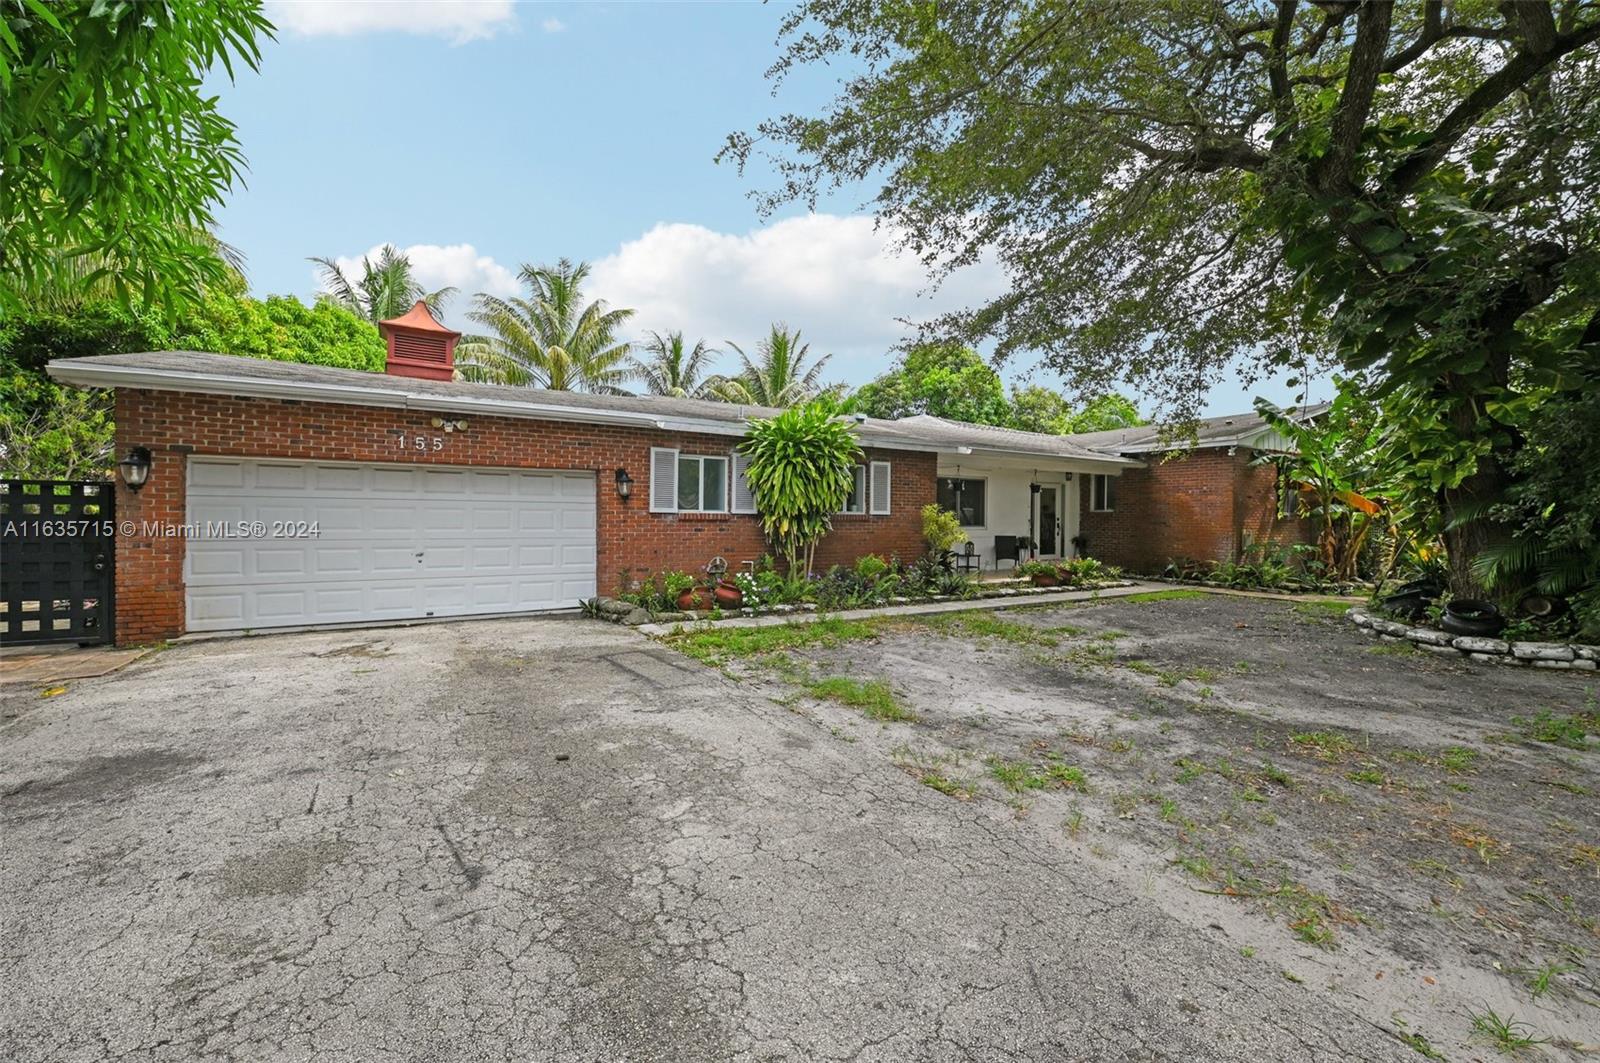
point(283, 544)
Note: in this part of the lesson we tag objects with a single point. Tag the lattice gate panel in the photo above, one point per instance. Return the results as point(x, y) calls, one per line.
point(57, 567)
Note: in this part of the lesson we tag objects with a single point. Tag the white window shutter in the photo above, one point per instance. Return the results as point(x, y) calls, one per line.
point(663, 480)
point(744, 500)
point(880, 488)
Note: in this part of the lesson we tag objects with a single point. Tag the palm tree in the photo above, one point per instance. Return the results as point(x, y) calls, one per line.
point(550, 339)
point(671, 368)
point(777, 376)
point(386, 288)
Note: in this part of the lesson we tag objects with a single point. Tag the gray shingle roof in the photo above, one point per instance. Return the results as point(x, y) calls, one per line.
point(1225, 430)
point(223, 373)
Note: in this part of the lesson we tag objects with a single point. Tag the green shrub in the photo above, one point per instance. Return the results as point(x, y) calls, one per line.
point(941, 529)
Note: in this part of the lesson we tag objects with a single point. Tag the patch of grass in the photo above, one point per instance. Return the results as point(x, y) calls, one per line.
point(1367, 773)
point(873, 697)
point(1569, 732)
point(985, 623)
point(1188, 770)
point(1015, 775)
point(1247, 951)
point(1068, 777)
point(1322, 607)
point(718, 645)
point(1250, 793)
point(1273, 773)
point(1169, 810)
point(1198, 866)
point(1419, 1044)
point(1163, 596)
point(1539, 980)
point(1504, 1032)
point(946, 785)
point(1324, 745)
point(1458, 759)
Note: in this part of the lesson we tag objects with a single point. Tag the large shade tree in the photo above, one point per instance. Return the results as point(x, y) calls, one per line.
point(387, 287)
point(114, 153)
point(942, 379)
point(777, 375)
point(1176, 187)
point(550, 338)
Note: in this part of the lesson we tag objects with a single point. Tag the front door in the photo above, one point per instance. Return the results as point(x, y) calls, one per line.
point(1049, 523)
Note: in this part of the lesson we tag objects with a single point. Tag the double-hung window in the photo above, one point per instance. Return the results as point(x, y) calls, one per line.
point(856, 500)
point(1103, 493)
point(964, 498)
point(702, 484)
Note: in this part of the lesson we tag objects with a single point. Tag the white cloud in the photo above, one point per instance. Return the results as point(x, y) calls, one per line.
point(835, 278)
point(458, 20)
point(552, 25)
point(457, 266)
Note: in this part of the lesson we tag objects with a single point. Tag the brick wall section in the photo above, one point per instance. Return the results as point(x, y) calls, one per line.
point(150, 591)
point(1205, 505)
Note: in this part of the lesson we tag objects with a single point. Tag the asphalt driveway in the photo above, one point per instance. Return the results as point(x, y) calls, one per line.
point(555, 840)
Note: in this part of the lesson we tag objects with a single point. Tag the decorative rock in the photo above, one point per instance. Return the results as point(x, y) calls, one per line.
point(1586, 665)
point(1428, 636)
point(1388, 627)
point(808, 607)
point(636, 617)
point(1494, 658)
point(747, 611)
point(1543, 651)
point(1476, 645)
point(1391, 638)
point(897, 600)
point(784, 609)
point(1446, 651)
point(1586, 653)
point(1561, 665)
point(1359, 618)
point(615, 607)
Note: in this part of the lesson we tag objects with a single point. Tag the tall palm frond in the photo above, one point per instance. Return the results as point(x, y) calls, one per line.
point(66, 280)
point(386, 289)
point(777, 376)
point(550, 339)
point(671, 367)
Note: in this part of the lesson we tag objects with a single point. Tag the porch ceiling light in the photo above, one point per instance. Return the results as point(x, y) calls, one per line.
point(135, 468)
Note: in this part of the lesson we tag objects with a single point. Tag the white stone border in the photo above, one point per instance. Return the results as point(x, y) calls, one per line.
point(1561, 656)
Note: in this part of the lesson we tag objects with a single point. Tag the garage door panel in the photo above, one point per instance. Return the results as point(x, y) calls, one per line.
point(393, 542)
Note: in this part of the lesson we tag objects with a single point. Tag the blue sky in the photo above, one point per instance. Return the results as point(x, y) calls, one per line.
point(482, 134)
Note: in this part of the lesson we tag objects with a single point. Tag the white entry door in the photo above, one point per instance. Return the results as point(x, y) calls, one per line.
point(281, 543)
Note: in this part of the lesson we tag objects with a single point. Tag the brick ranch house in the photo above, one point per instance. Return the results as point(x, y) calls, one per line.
point(286, 495)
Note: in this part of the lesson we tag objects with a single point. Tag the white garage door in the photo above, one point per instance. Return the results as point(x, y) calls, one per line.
point(385, 542)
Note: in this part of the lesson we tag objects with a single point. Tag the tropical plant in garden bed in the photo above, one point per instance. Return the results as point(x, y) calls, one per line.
point(801, 468)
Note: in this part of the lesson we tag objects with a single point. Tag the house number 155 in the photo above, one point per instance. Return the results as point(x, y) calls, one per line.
point(418, 443)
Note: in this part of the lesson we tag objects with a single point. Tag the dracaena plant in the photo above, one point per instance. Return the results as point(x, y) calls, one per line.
point(801, 469)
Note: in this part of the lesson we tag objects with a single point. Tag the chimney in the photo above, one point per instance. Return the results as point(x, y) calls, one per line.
point(419, 346)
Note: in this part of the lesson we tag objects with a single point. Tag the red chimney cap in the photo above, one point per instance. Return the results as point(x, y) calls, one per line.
point(418, 319)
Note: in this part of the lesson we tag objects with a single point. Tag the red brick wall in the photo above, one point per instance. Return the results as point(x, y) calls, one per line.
point(150, 591)
point(1204, 505)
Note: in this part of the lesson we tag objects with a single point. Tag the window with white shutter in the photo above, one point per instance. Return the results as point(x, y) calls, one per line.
point(744, 499)
point(880, 488)
point(663, 480)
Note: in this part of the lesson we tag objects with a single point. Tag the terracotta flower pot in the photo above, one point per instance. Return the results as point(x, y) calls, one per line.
point(694, 598)
point(728, 596)
point(1045, 581)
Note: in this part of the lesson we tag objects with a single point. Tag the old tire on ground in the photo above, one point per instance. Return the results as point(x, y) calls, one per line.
point(1472, 616)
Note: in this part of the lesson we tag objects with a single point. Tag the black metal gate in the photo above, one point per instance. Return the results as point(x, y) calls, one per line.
point(56, 561)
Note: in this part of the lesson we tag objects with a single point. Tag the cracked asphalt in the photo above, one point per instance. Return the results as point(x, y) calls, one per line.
point(555, 840)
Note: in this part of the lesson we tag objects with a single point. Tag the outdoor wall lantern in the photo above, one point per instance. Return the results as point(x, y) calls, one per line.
point(624, 483)
point(135, 468)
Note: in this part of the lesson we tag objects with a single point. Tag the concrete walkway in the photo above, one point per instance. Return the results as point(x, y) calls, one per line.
point(962, 605)
point(54, 664)
point(968, 604)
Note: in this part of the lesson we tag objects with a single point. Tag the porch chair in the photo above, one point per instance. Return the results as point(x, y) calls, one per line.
point(1007, 548)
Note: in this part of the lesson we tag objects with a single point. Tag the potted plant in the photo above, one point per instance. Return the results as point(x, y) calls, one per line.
point(727, 595)
point(1043, 573)
point(679, 587)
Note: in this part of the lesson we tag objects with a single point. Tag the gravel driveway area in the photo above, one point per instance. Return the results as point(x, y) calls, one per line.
point(557, 840)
